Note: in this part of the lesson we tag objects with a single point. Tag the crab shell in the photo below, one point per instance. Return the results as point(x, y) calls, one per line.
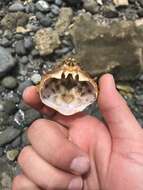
point(68, 89)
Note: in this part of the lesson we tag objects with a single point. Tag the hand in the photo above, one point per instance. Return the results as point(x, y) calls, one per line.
point(81, 152)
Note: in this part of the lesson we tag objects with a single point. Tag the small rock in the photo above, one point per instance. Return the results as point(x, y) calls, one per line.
point(16, 7)
point(22, 30)
point(58, 2)
point(42, 6)
point(28, 43)
point(24, 60)
point(55, 9)
point(64, 19)
point(5, 42)
point(91, 6)
point(6, 181)
point(47, 40)
point(3, 121)
point(23, 85)
point(9, 82)
point(25, 140)
point(140, 2)
point(19, 48)
point(125, 88)
point(12, 154)
point(35, 78)
point(30, 116)
point(6, 61)
point(16, 143)
point(8, 135)
point(46, 21)
point(121, 2)
point(9, 107)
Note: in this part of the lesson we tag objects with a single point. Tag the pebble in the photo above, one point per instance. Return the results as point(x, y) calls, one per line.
point(46, 21)
point(35, 78)
point(16, 7)
point(12, 154)
point(30, 116)
point(74, 3)
point(6, 61)
point(5, 42)
point(91, 6)
point(58, 2)
point(19, 48)
point(16, 143)
point(42, 6)
point(121, 2)
point(28, 43)
point(23, 85)
point(55, 9)
point(24, 60)
point(25, 140)
point(8, 135)
point(3, 121)
point(9, 107)
point(9, 82)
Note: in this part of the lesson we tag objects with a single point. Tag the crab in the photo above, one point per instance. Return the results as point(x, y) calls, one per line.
point(68, 89)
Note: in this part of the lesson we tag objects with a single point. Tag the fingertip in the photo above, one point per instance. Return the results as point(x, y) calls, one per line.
point(106, 80)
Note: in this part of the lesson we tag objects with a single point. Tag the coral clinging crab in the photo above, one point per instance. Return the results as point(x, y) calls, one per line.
point(68, 89)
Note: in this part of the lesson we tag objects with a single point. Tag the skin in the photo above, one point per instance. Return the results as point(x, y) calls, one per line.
point(81, 152)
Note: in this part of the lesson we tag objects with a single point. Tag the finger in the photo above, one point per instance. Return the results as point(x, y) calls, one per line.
point(21, 182)
point(45, 175)
point(53, 144)
point(32, 98)
point(117, 114)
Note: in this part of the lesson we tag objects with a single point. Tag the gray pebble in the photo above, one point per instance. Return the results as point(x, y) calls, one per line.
point(8, 135)
point(58, 2)
point(24, 139)
point(5, 42)
point(55, 9)
point(42, 6)
point(16, 143)
point(16, 7)
point(3, 121)
point(9, 82)
point(24, 60)
point(46, 21)
point(19, 48)
point(24, 85)
point(9, 107)
point(28, 43)
point(6, 61)
point(30, 116)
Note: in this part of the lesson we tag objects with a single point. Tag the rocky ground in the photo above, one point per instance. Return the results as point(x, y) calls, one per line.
point(104, 35)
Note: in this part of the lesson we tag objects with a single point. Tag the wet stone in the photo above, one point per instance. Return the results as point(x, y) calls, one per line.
point(46, 21)
point(9, 82)
point(3, 121)
point(36, 78)
point(42, 6)
point(9, 107)
point(19, 48)
point(28, 43)
point(8, 135)
point(55, 9)
point(7, 62)
point(30, 116)
point(16, 7)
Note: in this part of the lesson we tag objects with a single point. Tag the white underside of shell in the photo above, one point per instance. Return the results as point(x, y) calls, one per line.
point(63, 105)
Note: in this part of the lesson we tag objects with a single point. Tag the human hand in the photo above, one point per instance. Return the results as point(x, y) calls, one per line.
point(81, 152)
